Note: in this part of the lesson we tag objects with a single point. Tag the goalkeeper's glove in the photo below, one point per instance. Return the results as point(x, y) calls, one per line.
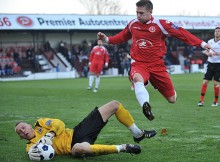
point(33, 153)
point(47, 139)
point(106, 64)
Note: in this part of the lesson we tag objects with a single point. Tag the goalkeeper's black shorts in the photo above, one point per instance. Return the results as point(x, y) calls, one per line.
point(89, 128)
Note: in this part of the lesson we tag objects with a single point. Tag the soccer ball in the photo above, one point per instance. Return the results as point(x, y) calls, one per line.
point(46, 151)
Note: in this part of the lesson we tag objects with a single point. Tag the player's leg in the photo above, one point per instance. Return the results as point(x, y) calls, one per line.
point(163, 83)
point(98, 72)
point(203, 92)
point(91, 79)
point(85, 149)
point(97, 81)
point(124, 117)
point(141, 93)
point(216, 93)
point(88, 130)
point(92, 70)
point(216, 88)
point(207, 77)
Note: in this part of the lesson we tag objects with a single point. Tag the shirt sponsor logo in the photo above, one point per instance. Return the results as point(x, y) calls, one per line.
point(24, 21)
point(135, 27)
point(143, 43)
point(98, 53)
point(152, 29)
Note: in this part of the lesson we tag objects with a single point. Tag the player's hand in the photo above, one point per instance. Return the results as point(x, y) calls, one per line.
point(89, 64)
point(101, 36)
point(209, 53)
point(106, 64)
point(208, 47)
point(47, 139)
point(33, 153)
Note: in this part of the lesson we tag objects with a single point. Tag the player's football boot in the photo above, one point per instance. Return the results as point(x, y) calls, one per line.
point(95, 90)
point(89, 88)
point(200, 103)
point(146, 134)
point(133, 149)
point(214, 104)
point(147, 111)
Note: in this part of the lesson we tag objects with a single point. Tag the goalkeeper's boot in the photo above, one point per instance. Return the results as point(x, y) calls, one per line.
point(147, 111)
point(146, 134)
point(200, 103)
point(133, 149)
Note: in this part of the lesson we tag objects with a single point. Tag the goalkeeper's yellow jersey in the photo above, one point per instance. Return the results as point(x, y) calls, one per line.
point(61, 142)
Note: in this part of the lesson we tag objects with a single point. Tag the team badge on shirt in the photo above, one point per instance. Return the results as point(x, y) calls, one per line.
point(40, 130)
point(152, 29)
point(48, 122)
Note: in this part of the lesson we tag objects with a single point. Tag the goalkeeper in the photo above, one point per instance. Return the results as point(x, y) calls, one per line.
point(79, 141)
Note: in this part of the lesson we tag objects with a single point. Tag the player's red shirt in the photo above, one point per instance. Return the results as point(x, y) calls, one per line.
point(148, 40)
point(99, 54)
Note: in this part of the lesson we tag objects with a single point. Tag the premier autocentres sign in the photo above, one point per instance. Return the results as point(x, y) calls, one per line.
point(62, 22)
point(93, 22)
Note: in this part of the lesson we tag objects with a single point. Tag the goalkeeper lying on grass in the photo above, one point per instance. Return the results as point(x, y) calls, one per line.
point(79, 141)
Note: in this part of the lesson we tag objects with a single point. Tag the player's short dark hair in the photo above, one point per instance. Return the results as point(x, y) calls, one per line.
point(145, 3)
point(217, 28)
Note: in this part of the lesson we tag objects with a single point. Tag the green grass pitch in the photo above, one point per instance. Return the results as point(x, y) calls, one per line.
point(193, 133)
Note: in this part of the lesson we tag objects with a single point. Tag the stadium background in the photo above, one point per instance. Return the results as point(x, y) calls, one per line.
point(192, 132)
point(36, 40)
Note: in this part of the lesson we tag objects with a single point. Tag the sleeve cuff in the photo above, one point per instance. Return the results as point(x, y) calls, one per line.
point(106, 40)
point(203, 44)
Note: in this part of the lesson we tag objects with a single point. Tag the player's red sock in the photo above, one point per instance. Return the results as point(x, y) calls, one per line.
point(216, 93)
point(203, 91)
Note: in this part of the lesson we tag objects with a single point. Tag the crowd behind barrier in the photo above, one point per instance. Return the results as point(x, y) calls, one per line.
point(178, 53)
point(11, 59)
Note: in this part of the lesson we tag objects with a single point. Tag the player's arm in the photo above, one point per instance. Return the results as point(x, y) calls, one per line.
point(216, 53)
point(102, 36)
point(106, 58)
point(209, 52)
point(91, 57)
point(183, 34)
point(119, 38)
point(55, 127)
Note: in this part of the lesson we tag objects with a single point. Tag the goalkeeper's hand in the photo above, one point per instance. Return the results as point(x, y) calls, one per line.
point(47, 139)
point(33, 153)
